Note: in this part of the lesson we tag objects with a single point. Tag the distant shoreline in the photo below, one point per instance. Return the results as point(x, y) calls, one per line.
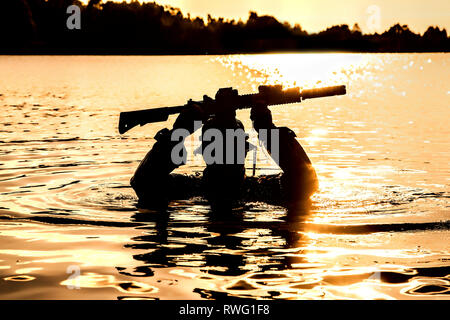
point(113, 28)
point(146, 52)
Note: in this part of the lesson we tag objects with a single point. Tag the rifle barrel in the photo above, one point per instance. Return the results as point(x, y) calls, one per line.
point(323, 92)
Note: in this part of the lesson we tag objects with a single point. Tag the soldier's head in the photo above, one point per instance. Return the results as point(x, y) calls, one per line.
point(226, 99)
point(261, 116)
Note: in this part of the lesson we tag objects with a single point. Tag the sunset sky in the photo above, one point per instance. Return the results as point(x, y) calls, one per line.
point(318, 14)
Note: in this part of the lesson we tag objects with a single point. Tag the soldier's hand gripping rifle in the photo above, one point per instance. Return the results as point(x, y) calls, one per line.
point(270, 95)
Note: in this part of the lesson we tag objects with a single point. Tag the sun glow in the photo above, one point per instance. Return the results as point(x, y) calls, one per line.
point(305, 70)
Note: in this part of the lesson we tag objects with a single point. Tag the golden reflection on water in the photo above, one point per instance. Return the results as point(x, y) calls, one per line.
point(21, 278)
point(290, 70)
point(92, 280)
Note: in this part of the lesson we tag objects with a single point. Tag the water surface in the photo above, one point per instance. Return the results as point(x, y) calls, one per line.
point(377, 229)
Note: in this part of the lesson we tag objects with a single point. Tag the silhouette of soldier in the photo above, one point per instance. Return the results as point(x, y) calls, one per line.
point(224, 184)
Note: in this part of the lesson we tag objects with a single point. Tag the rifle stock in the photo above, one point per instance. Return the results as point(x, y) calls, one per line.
point(131, 119)
point(270, 95)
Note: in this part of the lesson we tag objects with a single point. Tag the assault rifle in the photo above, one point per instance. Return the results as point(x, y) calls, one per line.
point(228, 98)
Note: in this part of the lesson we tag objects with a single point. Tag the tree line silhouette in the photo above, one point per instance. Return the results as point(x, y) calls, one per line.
point(39, 26)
